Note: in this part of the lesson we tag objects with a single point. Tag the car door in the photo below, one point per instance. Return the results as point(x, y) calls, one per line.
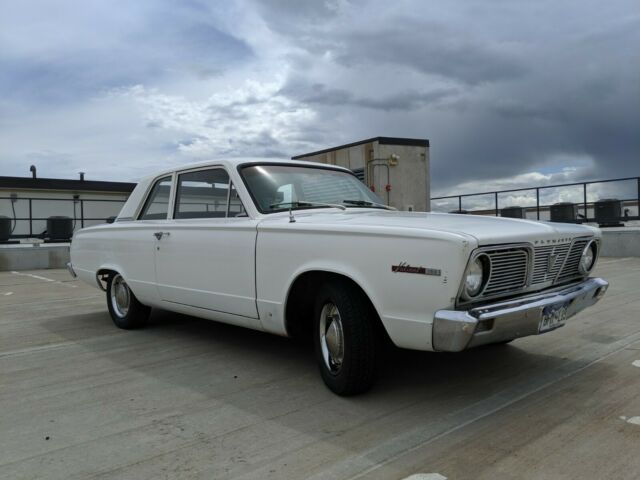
point(205, 257)
point(133, 245)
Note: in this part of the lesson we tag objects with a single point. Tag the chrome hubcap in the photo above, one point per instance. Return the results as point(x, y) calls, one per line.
point(120, 296)
point(331, 337)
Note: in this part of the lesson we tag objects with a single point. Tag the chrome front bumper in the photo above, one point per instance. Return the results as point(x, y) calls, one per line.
point(456, 330)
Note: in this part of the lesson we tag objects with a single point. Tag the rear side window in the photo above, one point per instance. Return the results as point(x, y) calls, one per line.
point(157, 204)
point(202, 194)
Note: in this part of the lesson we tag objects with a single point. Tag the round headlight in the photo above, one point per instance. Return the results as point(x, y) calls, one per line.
point(588, 258)
point(474, 279)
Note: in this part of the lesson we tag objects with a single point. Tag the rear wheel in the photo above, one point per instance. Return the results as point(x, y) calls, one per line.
point(345, 338)
point(126, 310)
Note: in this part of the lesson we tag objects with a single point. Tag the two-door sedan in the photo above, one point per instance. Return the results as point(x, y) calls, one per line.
point(306, 249)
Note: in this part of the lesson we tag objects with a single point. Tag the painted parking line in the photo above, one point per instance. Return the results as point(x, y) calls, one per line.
point(631, 420)
point(8, 293)
point(44, 279)
point(426, 476)
point(37, 277)
point(636, 363)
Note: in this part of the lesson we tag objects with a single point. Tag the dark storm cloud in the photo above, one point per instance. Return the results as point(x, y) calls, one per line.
point(433, 50)
point(320, 94)
point(583, 105)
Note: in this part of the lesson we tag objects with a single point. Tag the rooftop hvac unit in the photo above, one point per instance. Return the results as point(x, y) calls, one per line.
point(5, 228)
point(608, 212)
point(513, 212)
point(59, 228)
point(565, 212)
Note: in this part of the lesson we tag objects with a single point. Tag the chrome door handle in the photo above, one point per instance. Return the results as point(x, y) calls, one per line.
point(159, 235)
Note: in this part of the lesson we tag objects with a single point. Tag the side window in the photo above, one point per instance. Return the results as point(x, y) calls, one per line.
point(202, 194)
point(157, 204)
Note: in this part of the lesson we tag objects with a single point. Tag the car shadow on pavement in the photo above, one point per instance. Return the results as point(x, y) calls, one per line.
point(235, 348)
point(264, 379)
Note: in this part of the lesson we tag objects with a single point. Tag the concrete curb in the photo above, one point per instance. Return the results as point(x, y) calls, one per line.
point(33, 256)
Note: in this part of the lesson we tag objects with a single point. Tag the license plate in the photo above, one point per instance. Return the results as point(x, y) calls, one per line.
point(553, 316)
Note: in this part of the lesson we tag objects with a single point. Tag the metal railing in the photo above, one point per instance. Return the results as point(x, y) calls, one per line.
point(82, 211)
point(584, 204)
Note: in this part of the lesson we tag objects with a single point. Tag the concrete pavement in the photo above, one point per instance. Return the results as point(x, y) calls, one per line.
point(187, 398)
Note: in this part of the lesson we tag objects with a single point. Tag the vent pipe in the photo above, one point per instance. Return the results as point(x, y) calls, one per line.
point(81, 176)
point(32, 169)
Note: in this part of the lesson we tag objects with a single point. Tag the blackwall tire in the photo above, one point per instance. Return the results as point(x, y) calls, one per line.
point(125, 309)
point(345, 338)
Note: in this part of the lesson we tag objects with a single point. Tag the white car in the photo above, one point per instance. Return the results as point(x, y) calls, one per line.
point(306, 249)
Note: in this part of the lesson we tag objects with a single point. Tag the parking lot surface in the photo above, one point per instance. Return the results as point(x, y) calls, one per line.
point(188, 398)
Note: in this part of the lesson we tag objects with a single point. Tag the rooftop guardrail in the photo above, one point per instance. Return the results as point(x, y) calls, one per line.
point(537, 200)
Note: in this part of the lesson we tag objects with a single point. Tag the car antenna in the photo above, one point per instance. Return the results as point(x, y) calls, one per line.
point(292, 219)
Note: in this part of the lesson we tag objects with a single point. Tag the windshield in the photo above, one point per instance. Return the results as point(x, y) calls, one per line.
point(276, 188)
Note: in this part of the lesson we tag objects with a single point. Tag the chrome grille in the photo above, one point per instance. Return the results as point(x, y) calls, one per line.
point(563, 265)
point(570, 268)
point(508, 271)
point(547, 262)
point(526, 268)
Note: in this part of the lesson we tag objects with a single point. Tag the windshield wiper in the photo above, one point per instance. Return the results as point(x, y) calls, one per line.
point(366, 203)
point(306, 204)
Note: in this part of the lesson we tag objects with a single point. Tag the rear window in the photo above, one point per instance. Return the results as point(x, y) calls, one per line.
point(157, 205)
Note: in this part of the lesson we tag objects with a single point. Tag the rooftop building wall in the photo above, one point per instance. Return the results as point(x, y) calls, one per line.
point(397, 169)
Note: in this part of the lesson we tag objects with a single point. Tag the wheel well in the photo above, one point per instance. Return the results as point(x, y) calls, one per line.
point(102, 276)
point(301, 299)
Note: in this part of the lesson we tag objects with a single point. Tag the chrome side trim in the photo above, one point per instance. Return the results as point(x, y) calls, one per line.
point(456, 330)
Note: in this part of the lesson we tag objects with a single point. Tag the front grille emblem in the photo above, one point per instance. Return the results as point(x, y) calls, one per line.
point(551, 261)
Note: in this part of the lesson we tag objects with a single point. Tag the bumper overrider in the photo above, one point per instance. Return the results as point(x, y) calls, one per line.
point(457, 330)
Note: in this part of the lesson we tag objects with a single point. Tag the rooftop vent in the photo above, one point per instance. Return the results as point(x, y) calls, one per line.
point(608, 212)
point(565, 212)
point(5, 228)
point(59, 228)
point(513, 212)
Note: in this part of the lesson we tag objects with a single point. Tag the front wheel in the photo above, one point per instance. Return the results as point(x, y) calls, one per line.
point(345, 338)
point(126, 310)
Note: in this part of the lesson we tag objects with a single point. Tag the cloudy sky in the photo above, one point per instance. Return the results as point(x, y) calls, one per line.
point(509, 92)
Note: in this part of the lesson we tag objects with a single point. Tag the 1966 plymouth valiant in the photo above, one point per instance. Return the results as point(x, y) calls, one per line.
point(297, 248)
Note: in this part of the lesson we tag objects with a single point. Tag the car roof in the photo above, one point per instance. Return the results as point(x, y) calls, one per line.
point(232, 163)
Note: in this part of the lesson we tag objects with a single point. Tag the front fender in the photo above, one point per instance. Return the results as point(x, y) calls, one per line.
point(406, 302)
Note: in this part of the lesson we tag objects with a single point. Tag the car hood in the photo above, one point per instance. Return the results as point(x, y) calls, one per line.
point(485, 229)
